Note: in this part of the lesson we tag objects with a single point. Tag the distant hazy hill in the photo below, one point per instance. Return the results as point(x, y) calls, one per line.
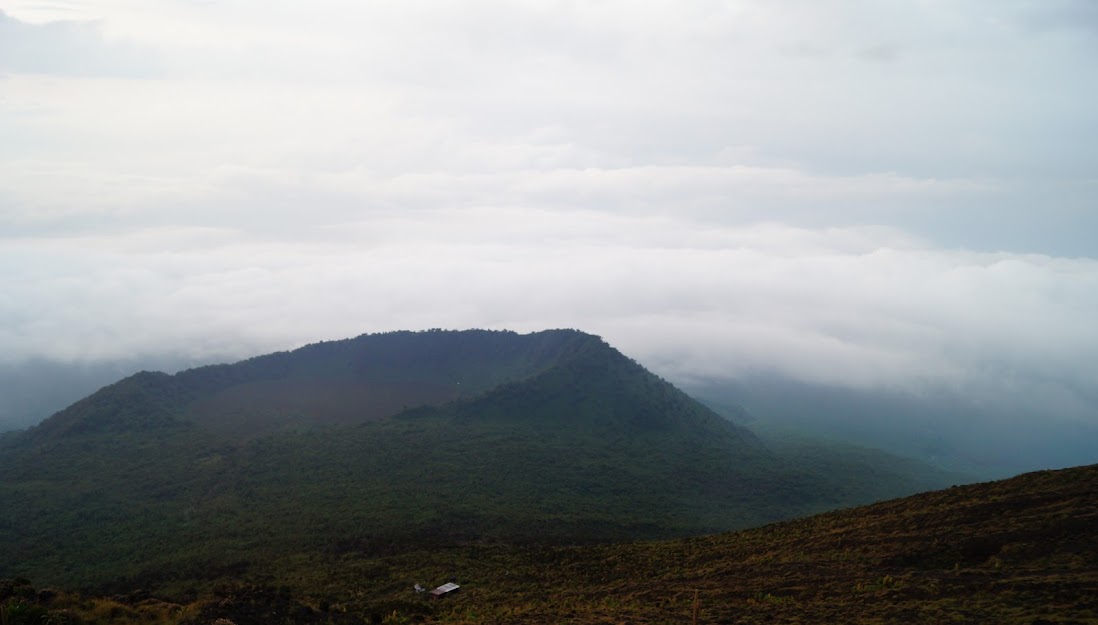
point(391, 442)
point(983, 436)
point(32, 390)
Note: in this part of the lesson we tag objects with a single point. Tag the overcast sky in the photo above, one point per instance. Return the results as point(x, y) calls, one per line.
point(877, 193)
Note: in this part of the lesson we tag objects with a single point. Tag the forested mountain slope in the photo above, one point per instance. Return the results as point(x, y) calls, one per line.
point(548, 438)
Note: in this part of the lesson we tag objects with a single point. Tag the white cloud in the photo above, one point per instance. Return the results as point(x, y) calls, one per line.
point(857, 307)
point(847, 192)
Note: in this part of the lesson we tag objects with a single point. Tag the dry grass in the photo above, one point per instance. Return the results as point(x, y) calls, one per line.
point(1022, 551)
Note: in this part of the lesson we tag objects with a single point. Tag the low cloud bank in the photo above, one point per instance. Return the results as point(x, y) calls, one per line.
point(852, 307)
point(718, 190)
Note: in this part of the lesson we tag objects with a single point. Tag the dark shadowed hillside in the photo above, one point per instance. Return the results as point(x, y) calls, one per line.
point(347, 381)
point(385, 444)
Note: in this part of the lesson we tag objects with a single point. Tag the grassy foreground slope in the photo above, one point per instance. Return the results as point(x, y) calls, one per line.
point(1018, 551)
point(1023, 550)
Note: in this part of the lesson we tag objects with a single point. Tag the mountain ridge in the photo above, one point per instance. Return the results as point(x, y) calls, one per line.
point(552, 437)
point(157, 393)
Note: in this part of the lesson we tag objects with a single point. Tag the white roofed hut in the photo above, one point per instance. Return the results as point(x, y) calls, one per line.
point(443, 590)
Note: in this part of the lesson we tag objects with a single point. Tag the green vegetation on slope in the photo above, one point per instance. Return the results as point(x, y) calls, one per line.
point(1022, 551)
point(572, 443)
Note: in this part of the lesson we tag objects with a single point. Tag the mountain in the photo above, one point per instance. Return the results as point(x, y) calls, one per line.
point(388, 443)
point(1017, 551)
point(332, 382)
